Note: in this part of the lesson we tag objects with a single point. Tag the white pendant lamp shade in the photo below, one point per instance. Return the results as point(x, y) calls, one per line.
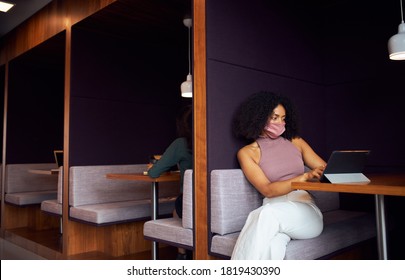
point(187, 87)
point(396, 44)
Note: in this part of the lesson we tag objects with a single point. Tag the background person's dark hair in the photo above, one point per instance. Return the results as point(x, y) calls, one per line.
point(252, 115)
point(184, 123)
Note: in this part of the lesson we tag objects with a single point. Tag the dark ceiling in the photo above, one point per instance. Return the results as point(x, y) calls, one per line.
point(153, 20)
point(161, 20)
point(22, 10)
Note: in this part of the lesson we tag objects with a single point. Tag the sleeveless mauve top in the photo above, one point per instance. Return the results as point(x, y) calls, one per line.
point(280, 160)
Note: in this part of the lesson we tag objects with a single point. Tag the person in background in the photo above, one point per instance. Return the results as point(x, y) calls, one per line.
point(178, 153)
point(275, 157)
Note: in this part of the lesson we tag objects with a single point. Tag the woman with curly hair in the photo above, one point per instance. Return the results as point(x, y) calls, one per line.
point(178, 154)
point(275, 157)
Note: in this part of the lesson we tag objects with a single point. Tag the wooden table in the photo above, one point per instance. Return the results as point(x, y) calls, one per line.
point(380, 185)
point(166, 177)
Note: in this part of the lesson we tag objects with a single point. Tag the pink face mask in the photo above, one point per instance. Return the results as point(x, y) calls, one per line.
point(274, 130)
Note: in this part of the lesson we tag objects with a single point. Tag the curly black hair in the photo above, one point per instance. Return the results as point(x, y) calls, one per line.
point(184, 124)
point(252, 115)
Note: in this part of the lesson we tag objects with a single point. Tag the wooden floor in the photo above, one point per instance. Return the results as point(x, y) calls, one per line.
point(10, 251)
point(48, 244)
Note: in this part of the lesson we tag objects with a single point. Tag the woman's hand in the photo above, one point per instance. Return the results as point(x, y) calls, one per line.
point(315, 173)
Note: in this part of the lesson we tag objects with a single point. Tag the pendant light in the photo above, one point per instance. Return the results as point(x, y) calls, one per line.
point(187, 86)
point(396, 44)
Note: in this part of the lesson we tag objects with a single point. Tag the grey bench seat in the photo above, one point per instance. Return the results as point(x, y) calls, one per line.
point(174, 231)
point(233, 198)
point(97, 200)
point(54, 206)
point(25, 188)
point(29, 198)
point(335, 236)
point(122, 211)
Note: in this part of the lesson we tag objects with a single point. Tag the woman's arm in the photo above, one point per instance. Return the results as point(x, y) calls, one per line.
point(311, 159)
point(170, 158)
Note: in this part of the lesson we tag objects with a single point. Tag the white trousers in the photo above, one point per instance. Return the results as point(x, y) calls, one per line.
point(269, 228)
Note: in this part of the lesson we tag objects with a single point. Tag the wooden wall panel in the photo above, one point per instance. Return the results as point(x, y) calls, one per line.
point(29, 216)
point(110, 241)
point(200, 134)
point(81, 238)
point(14, 217)
point(49, 21)
point(125, 239)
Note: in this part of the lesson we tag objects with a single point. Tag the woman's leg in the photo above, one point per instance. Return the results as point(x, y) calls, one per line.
point(269, 228)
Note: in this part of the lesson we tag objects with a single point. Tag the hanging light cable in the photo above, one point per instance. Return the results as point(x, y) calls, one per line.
point(396, 44)
point(187, 86)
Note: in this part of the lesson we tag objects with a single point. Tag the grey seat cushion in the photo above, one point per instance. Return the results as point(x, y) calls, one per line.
point(55, 206)
point(52, 206)
point(115, 212)
point(169, 231)
point(342, 229)
point(28, 198)
point(334, 237)
point(223, 244)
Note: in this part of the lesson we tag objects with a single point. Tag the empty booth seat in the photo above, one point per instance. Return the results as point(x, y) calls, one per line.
point(175, 231)
point(100, 201)
point(54, 206)
point(23, 187)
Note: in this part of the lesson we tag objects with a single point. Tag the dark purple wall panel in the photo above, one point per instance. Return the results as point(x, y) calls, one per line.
point(368, 115)
point(226, 95)
point(125, 95)
point(325, 58)
point(254, 46)
point(265, 35)
point(35, 103)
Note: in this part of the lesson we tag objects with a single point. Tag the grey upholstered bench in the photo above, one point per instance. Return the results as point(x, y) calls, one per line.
point(23, 187)
point(233, 198)
point(174, 231)
point(54, 206)
point(96, 200)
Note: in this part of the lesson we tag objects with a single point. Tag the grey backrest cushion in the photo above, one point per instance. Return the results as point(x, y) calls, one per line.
point(232, 199)
point(326, 201)
point(20, 179)
point(187, 220)
point(60, 185)
point(89, 185)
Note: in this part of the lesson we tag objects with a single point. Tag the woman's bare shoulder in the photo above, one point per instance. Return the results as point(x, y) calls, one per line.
point(251, 150)
point(299, 143)
point(252, 147)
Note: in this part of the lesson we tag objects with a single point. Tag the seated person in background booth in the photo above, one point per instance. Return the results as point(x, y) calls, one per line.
point(275, 157)
point(178, 153)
